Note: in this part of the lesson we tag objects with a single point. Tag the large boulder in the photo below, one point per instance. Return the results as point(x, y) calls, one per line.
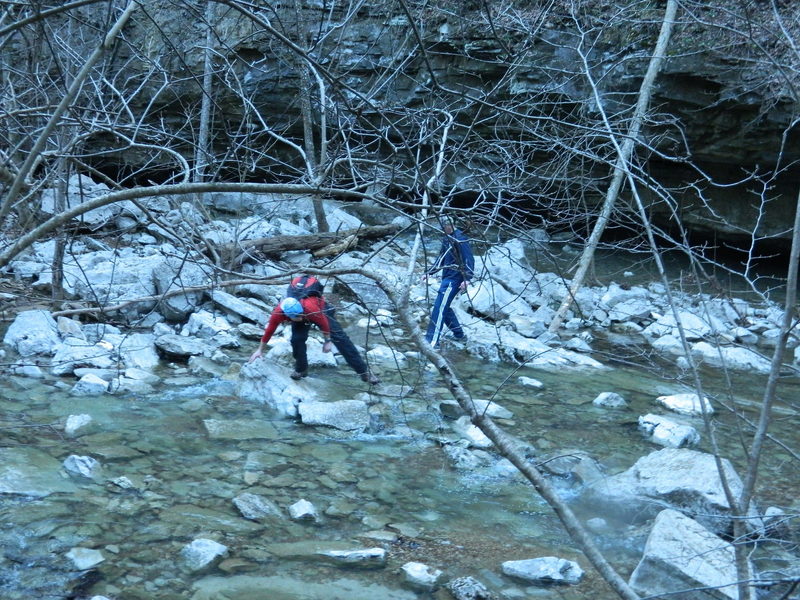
point(731, 357)
point(685, 561)
point(493, 301)
point(173, 274)
point(77, 352)
point(265, 382)
point(79, 190)
point(684, 480)
point(111, 277)
point(33, 332)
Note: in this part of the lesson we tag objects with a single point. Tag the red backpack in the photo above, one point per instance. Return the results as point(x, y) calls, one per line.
point(304, 286)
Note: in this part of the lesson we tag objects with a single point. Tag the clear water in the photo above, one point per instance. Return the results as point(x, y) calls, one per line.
point(463, 524)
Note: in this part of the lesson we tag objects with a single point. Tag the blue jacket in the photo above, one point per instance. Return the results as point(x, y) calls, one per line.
point(455, 259)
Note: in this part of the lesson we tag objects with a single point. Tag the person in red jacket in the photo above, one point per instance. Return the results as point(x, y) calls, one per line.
point(302, 313)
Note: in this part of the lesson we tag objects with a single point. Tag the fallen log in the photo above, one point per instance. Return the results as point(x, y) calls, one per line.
point(276, 245)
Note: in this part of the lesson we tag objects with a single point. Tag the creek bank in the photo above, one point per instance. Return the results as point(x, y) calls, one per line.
point(504, 315)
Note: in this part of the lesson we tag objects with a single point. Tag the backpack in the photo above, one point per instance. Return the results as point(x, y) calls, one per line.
point(304, 286)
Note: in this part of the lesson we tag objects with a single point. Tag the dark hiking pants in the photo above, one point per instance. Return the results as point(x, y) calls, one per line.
point(339, 338)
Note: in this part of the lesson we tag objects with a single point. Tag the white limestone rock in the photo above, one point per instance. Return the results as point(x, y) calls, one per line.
point(682, 479)
point(82, 466)
point(75, 352)
point(255, 507)
point(732, 357)
point(33, 332)
point(665, 432)
point(178, 346)
point(89, 385)
point(77, 425)
point(303, 510)
point(264, 382)
point(202, 553)
point(547, 569)
point(530, 382)
point(366, 558)
point(452, 409)
point(686, 404)
point(346, 415)
point(385, 355)
point(682, 554)
point(476, 438)
point(85, 558)
point(609, 400)
point(240, 307)
point(420, 575)
point(204, 324)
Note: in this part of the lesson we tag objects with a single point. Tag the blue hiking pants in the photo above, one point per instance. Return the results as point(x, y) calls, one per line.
point(442, 314)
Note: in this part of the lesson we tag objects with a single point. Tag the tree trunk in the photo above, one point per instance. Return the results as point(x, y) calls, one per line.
point(201, 156)
point(621, 167)
point(309, 143)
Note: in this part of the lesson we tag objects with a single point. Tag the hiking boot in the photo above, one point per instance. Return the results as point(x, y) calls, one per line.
point(370, 378)
point(298, 375)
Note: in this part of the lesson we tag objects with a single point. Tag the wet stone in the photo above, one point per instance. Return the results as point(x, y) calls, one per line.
point(190, 518)
point(31, 472)
point(240, 430)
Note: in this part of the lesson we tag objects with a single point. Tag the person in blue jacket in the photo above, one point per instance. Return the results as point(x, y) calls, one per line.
point(456, 263)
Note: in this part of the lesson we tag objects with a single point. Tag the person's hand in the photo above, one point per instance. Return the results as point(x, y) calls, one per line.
point(463, 286)
point(424, 278)
point(255, 355)
point(326, 347)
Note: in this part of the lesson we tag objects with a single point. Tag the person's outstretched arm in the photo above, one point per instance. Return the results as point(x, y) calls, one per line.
point(276, 318)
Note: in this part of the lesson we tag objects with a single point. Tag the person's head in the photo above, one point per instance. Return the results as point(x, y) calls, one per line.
point(447, 225)
point(292, 308)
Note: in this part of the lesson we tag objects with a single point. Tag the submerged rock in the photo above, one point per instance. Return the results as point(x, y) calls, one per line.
point(30, 472)
point(347, 415)
point(365, 558)
point(85, 558)
point(82, 466)
point(609, 400)
point(303, 510)
point(247, 587)
point(255, 507)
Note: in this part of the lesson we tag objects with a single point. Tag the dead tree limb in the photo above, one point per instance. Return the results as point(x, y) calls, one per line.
point(623, 161)
point(275, 245)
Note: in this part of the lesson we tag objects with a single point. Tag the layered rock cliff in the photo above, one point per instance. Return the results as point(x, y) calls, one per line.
point(524, 94)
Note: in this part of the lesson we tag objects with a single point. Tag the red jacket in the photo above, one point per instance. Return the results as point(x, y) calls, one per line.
point(313, 311)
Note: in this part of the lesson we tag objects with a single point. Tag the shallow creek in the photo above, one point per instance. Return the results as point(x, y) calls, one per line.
point(398, 484)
